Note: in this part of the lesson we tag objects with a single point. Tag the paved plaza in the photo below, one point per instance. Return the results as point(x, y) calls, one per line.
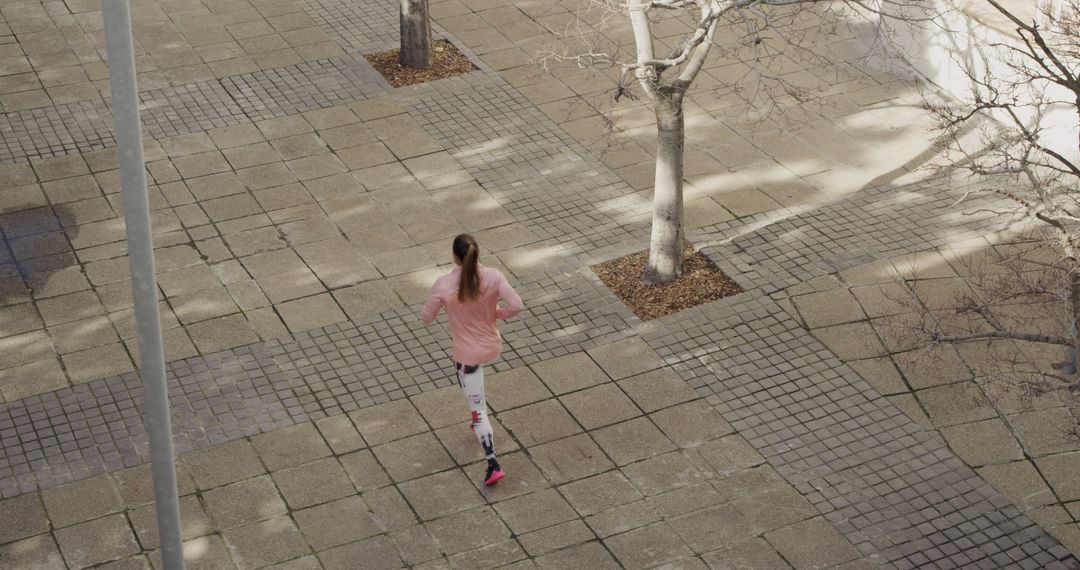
point(302, 207)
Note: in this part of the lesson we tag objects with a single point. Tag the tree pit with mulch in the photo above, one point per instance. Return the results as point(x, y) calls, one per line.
point(448, 62)
point(701, 282)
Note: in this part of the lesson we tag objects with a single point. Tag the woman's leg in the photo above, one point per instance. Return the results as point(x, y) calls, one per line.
point(471, 380)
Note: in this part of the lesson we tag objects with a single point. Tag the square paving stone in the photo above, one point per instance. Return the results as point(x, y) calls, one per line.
point(36, 552)
point(935, 366)
point(203, 553)
point(245, 502)
point(691, 424)
point(712, 528)
point(633, 440)
point(22, 516)
point(389, 508)
point(600, 492)
point(499, 555)
point(852, 341)
point(686, 500)
point(590, 555)
point(468, 530)
point(37, 377)
point(223, 464)
point(535, 511)
point(340, 433)
point(310, 312)
point(413, 457)
point(222, 333)
point(264, 543)
point(97, 541)
point(984, 442)
point(193, 522)
point(1041, 432)
point(958, 403)
point(136, 485)
point(623, 518)
point(1020, 482)
point(441, 494)
point(880, 373)
point(81, 501)
point(827, 308)
point(570, 458)
point(625, 358)
point(415, 545)
point(443, 407)
point(539, 423)
point(1062, 471)
point(600, 406)
point(514, 388)
point(522, 477)
point(388, 422)
point(364, 471)
point(568, 373)
point(377, 553)
point(775, 508)
point(753, 553)
point(465, 449)
point(556, 537)
point(100, 362)
point(812, 544)
point(664, 473)
point(313, 483)
point(336, 523)
point(657, 389)
point(290, 446)
point(648, 546)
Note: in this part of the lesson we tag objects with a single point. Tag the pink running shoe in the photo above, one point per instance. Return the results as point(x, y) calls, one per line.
point(494, 473)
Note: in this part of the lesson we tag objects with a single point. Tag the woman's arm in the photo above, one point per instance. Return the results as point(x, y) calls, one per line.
point(512, 299)
point(431, 307)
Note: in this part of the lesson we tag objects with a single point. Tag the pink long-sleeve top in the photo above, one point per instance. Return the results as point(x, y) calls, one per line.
point(472, 323)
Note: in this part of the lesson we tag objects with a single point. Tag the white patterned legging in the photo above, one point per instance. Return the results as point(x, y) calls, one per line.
point(471, 380)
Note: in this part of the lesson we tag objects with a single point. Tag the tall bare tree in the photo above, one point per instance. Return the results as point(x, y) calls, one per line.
point(757, 35)
point(1013, 132)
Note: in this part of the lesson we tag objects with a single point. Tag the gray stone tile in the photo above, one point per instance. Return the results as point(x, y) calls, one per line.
point(632, 440)
point(244, 503)
point(539, 423)
point(378, 553)
point(535, 511)
point(588, 555)
point(35, 552)
point(812, 543)
point(290, 446)
point(648, 546)
point(600, 406)
point(468, 530)
point(413, 457)
point(568, 373)
point(625, 358)
point(441, 494)
point(223, 464)
point(313, 483)
point(265, 543)
point(100, 540)
point(336, 523)
point(81, 501)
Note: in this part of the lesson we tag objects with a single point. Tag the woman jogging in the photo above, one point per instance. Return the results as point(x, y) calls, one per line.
point(470, 294)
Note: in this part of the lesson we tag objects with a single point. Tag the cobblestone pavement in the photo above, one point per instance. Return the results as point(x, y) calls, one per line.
point(302, 208)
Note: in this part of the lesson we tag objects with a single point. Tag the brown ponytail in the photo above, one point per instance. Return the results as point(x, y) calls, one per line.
point(468, 253)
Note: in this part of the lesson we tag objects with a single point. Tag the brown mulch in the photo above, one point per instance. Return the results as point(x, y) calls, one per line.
point(449, 62)
point(701, 282)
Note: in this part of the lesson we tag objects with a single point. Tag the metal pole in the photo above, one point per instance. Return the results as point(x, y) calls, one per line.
point(125, 109)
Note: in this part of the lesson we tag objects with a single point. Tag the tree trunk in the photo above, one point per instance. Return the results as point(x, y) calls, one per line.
point(666, 248)
point(415, 35)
